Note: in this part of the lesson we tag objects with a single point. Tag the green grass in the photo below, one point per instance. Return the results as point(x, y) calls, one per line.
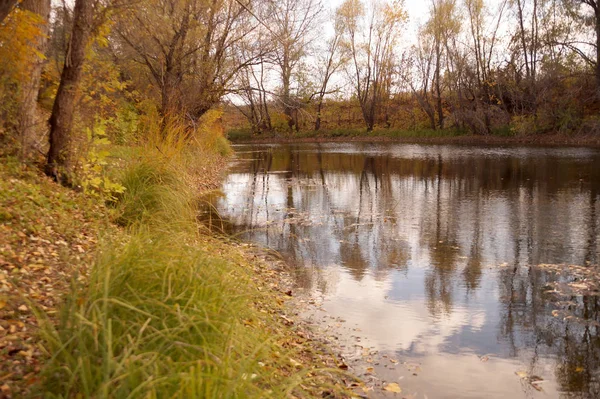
point(170, 313)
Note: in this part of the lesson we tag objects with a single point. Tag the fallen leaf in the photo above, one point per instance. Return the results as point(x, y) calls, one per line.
point(534, 381)
point(578, 286)
point(343, 366)
point(522, 374)
point(370, 369)
point(2, 304)
point(392, 387)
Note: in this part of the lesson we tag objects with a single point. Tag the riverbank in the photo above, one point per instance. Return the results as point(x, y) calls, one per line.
point(418, 137)
point(134, 298)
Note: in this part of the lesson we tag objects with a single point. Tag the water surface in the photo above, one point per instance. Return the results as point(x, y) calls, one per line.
point(437, 256)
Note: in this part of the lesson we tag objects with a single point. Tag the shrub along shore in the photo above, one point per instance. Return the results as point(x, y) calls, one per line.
point(132, 297)
point(424, 136)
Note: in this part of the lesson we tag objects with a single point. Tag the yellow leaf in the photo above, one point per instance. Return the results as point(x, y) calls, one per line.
point(393, 387)
point(2, 304)
point(522, 374)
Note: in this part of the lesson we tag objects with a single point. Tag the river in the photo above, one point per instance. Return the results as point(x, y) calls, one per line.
point(453, 271)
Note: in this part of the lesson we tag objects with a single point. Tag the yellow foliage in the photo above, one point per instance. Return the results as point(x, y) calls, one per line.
point(18, 35)
point(211, 134)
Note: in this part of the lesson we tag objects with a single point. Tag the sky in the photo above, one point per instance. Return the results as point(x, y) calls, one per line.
point(417, 9)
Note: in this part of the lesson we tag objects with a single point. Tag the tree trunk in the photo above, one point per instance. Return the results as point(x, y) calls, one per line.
point(6, 7)
point(597, 13)
point(319, 108)
point(286, 97)
point(61, 120)
point(29, 118)
point(438, 84)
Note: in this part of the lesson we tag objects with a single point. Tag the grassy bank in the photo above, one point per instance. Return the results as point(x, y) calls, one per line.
point(48, 238)
point(149, 304)
point(425, 136)
point(241, 135)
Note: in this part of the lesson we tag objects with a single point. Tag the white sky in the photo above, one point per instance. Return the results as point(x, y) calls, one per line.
point(417, 9)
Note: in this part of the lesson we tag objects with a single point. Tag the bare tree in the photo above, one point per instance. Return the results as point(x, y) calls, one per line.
point(528, 39)
point(482, 47)
point(418, 74)
point(191, 59)
point(371, 50)
point(256, 97)
point(328, 65)
point(294, 24)
point(592, 21)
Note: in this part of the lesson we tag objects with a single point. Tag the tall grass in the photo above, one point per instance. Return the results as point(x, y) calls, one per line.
point(167, 312)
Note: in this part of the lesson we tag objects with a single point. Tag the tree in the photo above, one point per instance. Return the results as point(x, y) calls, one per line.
point(255, 96)
point(482, 49)
point(294, 26)
point(187, 50)
point(443, 26)
point(329, 65)
point(372, 50)
point(28, 113)
point(592, 21)
point(61, 120)
point(420, 63)
point(528, 39)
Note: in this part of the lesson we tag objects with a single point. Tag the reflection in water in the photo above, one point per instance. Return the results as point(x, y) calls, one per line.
point(433, 250)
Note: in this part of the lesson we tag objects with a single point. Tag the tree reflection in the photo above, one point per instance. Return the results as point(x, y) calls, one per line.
point(465, 221)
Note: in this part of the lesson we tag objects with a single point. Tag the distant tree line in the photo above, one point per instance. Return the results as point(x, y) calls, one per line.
point(110, 66)
point(528, 65)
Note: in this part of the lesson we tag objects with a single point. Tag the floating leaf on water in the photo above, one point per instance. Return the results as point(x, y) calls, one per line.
point(392, 387)
point(522, 374)
point(534, 380)
point(536, 387)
